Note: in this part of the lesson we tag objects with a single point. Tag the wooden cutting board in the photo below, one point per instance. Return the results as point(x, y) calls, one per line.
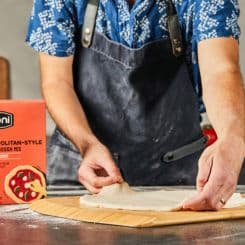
point(70, 208)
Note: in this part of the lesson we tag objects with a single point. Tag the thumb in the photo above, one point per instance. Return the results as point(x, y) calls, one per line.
point(204, 169)
point(113, 171)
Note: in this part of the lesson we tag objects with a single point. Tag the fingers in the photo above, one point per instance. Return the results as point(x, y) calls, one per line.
point(98, 169)
point(97, 181)
point(223, 197)
point(91, 188)
point(113, 171)
point(196, 203)
point(99, 157)
point(88, 176)
point(204, 169)
point(207, 199)
point(220, 186)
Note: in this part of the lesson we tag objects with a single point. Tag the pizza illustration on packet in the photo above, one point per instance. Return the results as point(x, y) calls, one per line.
point(24, 184)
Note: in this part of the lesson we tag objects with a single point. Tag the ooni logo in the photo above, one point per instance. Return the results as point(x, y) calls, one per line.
point(6, 119)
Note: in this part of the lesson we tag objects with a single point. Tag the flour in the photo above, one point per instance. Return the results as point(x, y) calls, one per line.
point(21, 212)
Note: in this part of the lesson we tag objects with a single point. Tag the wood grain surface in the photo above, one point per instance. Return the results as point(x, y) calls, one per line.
point(4, 79)
point(70, 208)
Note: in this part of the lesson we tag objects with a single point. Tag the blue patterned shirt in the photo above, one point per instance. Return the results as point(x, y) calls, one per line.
point(53, 24)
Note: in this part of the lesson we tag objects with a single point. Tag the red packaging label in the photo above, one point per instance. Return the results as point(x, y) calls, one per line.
point(22, 151)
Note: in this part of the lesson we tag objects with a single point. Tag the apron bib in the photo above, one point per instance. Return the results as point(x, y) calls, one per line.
point(140, 103)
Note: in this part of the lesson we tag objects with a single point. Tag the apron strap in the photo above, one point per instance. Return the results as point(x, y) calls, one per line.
point(174, 30)
point(185, 150)
point(89, 22)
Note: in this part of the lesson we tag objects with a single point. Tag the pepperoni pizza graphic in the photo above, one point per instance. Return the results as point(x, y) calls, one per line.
point(25, 184)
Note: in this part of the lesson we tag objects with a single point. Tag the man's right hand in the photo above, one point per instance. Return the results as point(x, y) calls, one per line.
point(98, 168)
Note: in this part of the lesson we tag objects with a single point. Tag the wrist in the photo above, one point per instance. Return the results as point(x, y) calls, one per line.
point(232, 131)
point(235, 140)
point(86, 142)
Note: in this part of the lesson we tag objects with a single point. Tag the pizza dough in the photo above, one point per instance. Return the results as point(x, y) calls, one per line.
point(121, 196)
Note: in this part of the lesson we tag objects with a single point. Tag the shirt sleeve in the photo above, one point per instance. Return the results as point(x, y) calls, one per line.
point(216, 18)
point(52, 27)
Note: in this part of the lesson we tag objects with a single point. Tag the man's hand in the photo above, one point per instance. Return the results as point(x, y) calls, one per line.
point(219, 168)
point(224, 98)
point(98, 168)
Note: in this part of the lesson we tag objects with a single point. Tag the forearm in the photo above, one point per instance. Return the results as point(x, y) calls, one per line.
point(62, 102)
point(220, 163)
point(223, 88)
point(98, 167)
point(224, 97)
point(69, 117)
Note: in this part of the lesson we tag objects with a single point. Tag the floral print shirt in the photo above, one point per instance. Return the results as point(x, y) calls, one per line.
point(53, 24)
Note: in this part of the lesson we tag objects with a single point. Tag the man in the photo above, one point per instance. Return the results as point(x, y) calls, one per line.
point(123, 94)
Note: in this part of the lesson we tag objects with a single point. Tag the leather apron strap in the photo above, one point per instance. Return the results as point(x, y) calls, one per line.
point(89, 22)
point(174, 30)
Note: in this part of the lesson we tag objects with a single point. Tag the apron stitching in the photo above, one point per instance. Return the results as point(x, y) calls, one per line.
point(115, 43)
point(110, 57)
point(120, 62)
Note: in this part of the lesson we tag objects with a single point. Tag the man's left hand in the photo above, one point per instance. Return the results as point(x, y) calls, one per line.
point(219, 168)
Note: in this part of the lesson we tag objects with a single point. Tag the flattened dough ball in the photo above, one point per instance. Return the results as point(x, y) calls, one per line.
point(121, 196)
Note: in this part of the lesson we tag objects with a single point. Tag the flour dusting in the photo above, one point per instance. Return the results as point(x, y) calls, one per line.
point(23, 212)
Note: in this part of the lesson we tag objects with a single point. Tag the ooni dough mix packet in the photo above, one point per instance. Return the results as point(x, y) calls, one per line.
point(22, 151)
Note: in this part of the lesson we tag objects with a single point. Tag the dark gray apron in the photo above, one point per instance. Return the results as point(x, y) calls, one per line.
point(140, 103)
